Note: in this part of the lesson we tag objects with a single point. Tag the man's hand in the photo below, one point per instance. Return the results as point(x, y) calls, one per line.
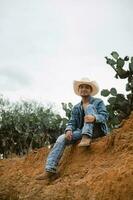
point(89, 118)
point(68, 135)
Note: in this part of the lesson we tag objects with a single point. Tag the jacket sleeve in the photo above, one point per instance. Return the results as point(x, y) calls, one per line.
point(72, 122)
point(101, 114)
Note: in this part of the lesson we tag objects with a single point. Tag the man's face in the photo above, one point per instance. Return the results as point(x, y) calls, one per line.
point(85, 90)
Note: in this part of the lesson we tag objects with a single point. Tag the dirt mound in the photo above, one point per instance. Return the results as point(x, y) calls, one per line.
point(102, 172)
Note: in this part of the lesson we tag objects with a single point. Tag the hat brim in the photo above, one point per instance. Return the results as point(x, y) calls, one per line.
point(93, 84)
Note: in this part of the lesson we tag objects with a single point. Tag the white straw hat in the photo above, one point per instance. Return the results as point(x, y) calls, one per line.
point(93, 84)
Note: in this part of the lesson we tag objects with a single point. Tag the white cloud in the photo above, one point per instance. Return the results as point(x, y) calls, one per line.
point(45, 45)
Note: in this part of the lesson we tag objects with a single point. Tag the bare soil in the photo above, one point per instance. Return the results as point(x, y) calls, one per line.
point(102, 172)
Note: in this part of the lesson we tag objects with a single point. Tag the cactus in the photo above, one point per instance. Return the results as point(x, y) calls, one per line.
point(120, 106)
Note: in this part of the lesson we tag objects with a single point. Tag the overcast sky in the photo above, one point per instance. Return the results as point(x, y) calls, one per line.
point(46, 44)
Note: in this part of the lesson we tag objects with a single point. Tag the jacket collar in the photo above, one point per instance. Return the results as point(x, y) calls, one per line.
point(90, 99)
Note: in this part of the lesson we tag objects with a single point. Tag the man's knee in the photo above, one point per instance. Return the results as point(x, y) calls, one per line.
point(61, 138)
point(90, 109)
point(90, 106)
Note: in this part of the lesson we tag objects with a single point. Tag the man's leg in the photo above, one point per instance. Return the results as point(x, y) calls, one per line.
point(87, 130)
point(58, 149)
point(55, 155)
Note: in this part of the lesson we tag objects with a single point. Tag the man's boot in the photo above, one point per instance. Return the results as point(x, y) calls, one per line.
point(86, 141)
point(48, 176)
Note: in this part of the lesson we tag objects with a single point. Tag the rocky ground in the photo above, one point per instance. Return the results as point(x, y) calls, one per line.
point(102, 172)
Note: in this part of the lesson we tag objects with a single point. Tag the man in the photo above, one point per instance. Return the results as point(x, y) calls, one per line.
point(88, 121)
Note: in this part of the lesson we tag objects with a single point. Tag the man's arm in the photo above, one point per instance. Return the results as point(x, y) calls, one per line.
point(72, 122)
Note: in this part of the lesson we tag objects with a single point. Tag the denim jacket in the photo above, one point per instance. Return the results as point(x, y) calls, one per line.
point(76, 120)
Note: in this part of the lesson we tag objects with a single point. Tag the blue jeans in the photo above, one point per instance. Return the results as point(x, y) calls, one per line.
point(91, 129)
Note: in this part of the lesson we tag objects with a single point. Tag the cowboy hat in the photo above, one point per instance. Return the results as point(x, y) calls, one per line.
point(86, 81)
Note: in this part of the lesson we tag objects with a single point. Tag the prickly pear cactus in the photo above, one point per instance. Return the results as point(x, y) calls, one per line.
point(120, 106)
